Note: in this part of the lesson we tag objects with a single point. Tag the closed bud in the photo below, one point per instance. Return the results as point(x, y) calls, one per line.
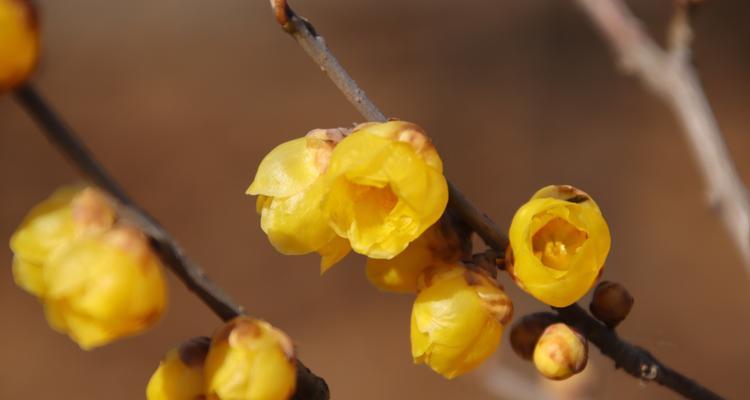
point(559, 241)
point(611, 303)
point(438, 245)
point(100, 288)
point(250, 360)
point(180, 373)
point(69, 213)
point(457, 319)
point(560, 352)
point(19, 42)
point(526, 332)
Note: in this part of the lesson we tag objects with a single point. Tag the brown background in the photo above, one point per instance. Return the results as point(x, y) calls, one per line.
point(181, 99)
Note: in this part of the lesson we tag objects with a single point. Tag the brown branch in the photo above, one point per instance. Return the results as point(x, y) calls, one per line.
point(670, 76)
point(623, 353)
point(634, 360)
point(309, 386)
point(314, 45)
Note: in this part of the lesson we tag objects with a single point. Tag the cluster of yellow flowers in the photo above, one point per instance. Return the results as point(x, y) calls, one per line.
point(96, 276)
point(19, 42)
point(378, 189)
point(245, 359)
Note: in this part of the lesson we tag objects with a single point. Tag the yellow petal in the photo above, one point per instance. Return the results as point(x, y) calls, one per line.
point(297, 224)
point(28, 276)
point(287, 169)
point(333, 252)
point(180, 374)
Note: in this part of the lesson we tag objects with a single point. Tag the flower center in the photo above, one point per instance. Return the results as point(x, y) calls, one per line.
point(557, 242)
point(382, 199)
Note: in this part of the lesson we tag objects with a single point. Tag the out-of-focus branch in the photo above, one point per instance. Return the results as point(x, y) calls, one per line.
point(309, 386)
point(670, 75)
point(623, 353)
point(314, 45)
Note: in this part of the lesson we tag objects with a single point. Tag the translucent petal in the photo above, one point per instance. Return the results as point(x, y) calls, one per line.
point(297, 224)
point(333, 252)
point(287, 169)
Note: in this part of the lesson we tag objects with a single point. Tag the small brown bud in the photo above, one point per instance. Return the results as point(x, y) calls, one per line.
point(611, 303)
point(526, 332)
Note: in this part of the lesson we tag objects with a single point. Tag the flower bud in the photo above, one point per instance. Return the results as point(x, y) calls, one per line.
point(19, 42)
point(560, 352)
point(100, 288)
point(438, 245)
point(180, 373)
point(526, 332)
point(611, 303)
point(71, 212)
point(457, 319)
point(250, 359)
point(559, 241)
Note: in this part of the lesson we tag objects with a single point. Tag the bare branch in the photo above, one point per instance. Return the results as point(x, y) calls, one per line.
point(314, 45)
point(670, 76)
point(623, 353)
point(634, 360)
point(309, 386)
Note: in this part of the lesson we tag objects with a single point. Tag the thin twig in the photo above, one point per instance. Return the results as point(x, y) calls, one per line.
point(309, 386)
point(610, 345)
point(669, 75)
point(634, 360)
point(315, 46)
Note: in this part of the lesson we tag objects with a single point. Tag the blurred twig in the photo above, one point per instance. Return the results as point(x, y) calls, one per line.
point(309, 386)
point(670, 75)
point(635, 360)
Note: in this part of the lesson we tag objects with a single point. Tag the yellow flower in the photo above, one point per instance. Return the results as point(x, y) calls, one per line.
point(180, 373)
point(70, 212)
point(560, 352)
point(387, 187)
point(250, 360)
point(457, 319)
point(103, 287)
point(559, 241)
point(290, 195)
point(438, 245)
point(19, 42)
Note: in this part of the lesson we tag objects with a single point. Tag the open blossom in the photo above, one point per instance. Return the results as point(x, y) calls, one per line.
point(559, 241)
point(457, 319)
point(375, 191)
point(387, 187)
point(19, 42)
point(290, 194)
point(438, 245)
point(103, 287)
point(180, 373)
point(250, 360)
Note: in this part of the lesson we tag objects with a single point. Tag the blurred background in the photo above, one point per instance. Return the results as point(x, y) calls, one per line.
point(181, 100)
